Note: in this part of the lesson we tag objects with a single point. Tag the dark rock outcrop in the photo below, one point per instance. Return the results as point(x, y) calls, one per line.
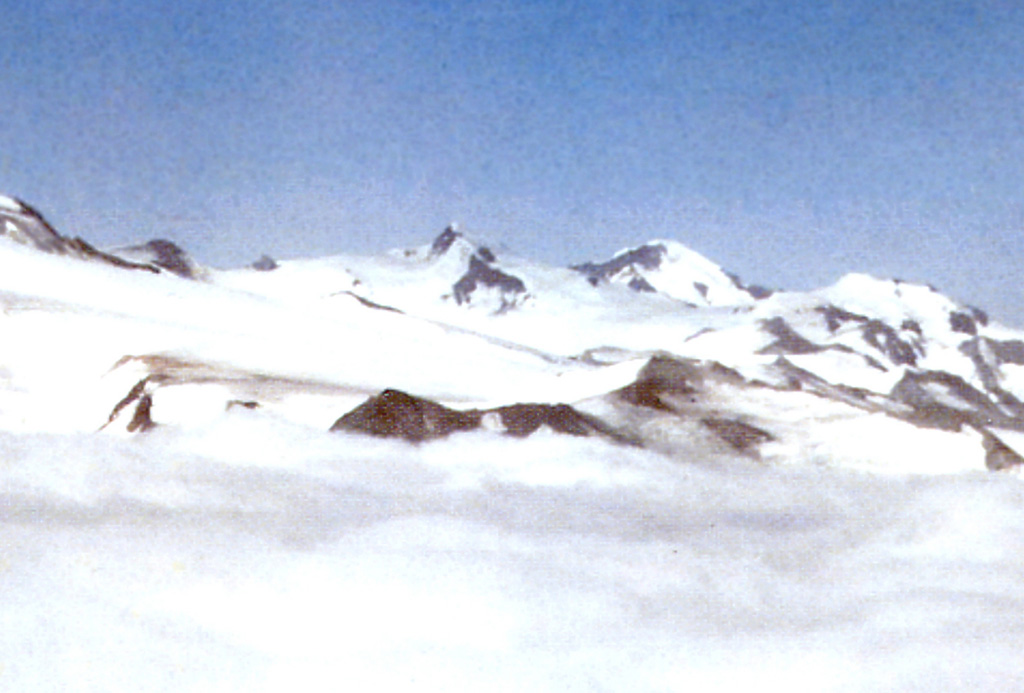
point(663, 377)
point(140, 400)
point(912, 326)
point(646, 257)
point(481, 273)
point(963, 323)
point(163, 255)
point(24, 224)
point(739, 435)
point(444, 241)
point(980, 354)
point(265, 264)
point(142, 420)
point(367, 302)
point(998, 455)
point(887, 340)
point(946, 401)
point(836, 317)
point(641, 285)
point(787, 340)
point(980, 316)
point(525, 419)
point(170, 257)
point(396, 414)
point(877, 334)
point(631, 263)
point(669, 383)
point(987, 355)
point(756, 292)
point(1007, 351)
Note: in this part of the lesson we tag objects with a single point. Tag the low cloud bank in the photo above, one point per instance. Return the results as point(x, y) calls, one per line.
point(252, 556)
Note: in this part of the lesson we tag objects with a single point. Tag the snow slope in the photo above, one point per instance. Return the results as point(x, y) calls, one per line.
point(792, 489)
point(454, 323)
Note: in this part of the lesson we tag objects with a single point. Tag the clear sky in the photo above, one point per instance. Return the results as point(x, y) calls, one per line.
point(789, 141)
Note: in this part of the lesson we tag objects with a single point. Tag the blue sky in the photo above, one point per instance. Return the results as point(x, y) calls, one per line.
point(789, 141)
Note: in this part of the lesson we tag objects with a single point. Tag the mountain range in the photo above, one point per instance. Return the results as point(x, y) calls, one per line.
point(657, 347)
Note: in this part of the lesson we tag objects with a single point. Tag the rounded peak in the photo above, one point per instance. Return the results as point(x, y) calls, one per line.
point(863, 284)
point(891, 300)
point(856, 280)
point(671, 268)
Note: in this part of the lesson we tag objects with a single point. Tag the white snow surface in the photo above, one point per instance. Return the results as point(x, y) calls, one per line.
point(682, 268)
point(9, 204)
point(234, 549)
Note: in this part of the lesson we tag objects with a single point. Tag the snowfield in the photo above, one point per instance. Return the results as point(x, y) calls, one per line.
point(636, 474)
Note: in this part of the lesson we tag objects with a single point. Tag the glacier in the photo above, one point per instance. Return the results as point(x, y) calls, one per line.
point(817, 490)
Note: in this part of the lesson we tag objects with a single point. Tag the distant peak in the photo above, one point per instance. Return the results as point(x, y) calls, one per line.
point(465, 247)
point(163, 254)
point(265, 264)
point(648, 256)
point(443, 242)
point(671, 268)
point(21, 223)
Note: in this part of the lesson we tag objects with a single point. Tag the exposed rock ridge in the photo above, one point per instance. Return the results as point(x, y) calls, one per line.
point(481, 273)
point(631, 266)
point(396, 414)
point(24, 224)
point(647, 257)
point(164, 255)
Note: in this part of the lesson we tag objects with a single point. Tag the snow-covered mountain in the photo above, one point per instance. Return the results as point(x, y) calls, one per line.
point(449, 468)
point(658, 344)
point(673, 269)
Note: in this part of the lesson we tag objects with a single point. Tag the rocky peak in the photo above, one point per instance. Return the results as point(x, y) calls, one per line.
point(445, 240)
point(672, 269)
point(164, 255)
point(25, 225)
point(480, 281)
point(647, 257)
point(396, 414)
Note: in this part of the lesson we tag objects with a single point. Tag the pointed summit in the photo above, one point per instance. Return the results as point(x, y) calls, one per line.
point(21, 223)
point(443, 242)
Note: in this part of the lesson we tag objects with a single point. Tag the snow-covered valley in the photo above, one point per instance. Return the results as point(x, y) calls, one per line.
point(636, 474)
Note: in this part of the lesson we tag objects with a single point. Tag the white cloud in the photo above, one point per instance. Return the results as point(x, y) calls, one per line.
point(480, 563)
